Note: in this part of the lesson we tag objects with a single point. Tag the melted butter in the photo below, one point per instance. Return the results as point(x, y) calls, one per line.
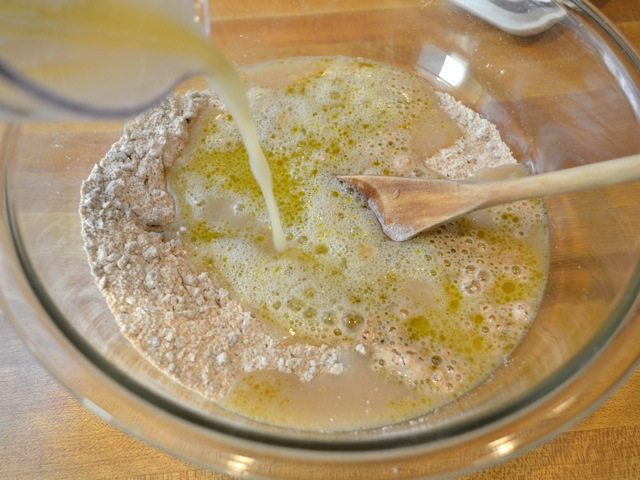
point(331, 403)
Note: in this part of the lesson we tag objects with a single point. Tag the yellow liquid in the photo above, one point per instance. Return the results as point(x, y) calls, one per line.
point(116, 52)
point(433, 316)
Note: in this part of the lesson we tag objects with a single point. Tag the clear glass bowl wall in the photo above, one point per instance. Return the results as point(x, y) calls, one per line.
point(564, 97)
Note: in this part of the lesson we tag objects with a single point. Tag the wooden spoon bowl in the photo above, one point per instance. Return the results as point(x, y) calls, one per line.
point(407, 206)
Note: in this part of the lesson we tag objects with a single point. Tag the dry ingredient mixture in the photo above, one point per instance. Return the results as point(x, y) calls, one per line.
point(178, 242)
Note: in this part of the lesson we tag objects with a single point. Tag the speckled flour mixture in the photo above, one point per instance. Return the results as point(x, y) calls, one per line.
point(178, 242)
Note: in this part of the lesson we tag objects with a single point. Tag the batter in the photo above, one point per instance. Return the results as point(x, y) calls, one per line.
point(438, 313)
point(345, 328)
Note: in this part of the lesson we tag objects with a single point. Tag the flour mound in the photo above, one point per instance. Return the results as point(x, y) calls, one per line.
point(185, 325)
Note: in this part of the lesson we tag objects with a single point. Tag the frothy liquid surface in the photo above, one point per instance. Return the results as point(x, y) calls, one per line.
point(421, 322)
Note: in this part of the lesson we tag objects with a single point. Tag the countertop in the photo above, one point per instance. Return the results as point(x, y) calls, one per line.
point(46, 434)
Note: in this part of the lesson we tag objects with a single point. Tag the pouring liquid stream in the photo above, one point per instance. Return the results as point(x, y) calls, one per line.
point(115, 58)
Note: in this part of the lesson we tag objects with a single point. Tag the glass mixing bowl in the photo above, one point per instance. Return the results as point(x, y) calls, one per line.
point(563, 88)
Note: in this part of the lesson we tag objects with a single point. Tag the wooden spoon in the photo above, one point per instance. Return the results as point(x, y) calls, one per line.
point(407, 206)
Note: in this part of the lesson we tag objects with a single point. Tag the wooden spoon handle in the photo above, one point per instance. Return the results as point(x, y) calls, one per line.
point(600, 174)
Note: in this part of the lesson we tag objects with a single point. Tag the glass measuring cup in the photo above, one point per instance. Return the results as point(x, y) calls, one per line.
point(63, 58)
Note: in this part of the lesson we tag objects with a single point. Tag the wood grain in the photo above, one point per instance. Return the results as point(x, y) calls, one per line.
point(46, 434)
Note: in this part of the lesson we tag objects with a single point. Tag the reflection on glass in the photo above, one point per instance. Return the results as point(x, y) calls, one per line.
point(517, 17)
point(503, 446)
point(449, 69)
point(239, 464)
